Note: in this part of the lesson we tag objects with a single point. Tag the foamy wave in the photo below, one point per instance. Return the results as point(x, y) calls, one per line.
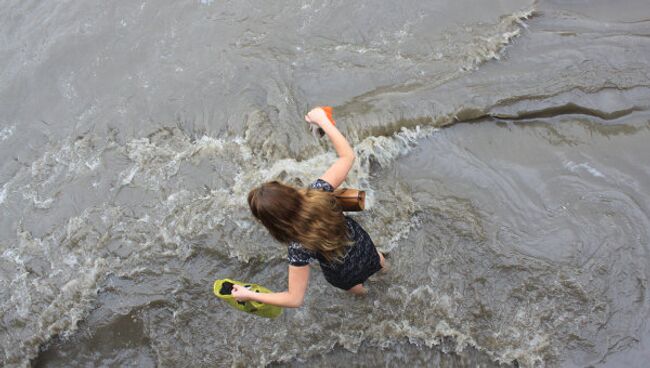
point(490, 47)
point(379, 150)
point(67, 160)
point(158, 158)
point(573, 167)
point(440, 326)
point(50, 297)
point(36, 201)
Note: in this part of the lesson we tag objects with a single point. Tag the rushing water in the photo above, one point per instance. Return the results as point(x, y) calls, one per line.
point(503, 146)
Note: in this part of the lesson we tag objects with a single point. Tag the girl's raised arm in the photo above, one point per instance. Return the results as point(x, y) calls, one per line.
point(336, 173)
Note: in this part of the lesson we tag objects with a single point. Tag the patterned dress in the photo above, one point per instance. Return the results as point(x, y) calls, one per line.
point(360, 262)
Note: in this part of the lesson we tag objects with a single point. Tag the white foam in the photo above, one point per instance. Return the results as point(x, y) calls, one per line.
point(11, 254)
point(93, 163)
point(413, 223)
point(528, 355)
point(573, 167)
point(36, 201)
point(386, 149)
point(126, 177)
point(490, 47)
point(155, 162)
point(7, 132)
point(3, 193)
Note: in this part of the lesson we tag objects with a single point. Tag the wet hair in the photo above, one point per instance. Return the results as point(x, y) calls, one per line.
point(310, 216)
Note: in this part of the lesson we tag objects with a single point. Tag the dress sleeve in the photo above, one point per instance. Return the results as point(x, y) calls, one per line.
point(322, 185)
point(298, 256)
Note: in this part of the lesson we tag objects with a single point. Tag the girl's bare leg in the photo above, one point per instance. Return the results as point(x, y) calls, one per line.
point(382, 261)
point(358, 289)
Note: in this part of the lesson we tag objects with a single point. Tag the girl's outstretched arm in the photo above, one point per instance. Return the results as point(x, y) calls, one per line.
point(337, 173)
point(292, 298)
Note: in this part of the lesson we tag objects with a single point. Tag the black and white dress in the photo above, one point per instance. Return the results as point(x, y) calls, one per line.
point(360, 262)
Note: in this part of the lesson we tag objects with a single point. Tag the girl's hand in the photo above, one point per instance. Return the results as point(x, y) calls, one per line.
point(241, 294)
point(317, 116)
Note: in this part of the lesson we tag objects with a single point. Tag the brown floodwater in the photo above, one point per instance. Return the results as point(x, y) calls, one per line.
point(503, 146)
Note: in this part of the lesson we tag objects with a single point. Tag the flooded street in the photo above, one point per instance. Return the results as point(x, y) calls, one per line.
point(503, 147)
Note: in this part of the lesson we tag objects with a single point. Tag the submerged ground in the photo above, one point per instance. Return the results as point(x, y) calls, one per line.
point(503, 146)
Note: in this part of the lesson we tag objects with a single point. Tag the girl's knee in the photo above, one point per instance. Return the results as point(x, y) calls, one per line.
point(382, 262)
point(358, 289)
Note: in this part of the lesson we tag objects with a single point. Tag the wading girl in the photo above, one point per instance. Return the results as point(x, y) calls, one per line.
point(311, 223)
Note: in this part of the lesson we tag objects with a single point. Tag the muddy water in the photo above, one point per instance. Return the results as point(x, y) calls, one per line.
point(502, 146)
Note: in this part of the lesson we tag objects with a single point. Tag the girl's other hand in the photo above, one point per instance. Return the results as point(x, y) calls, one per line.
point(240, 293)
point(316, 116)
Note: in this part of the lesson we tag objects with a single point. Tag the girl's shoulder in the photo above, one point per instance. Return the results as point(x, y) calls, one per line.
point(322, 185)
point(297, 255)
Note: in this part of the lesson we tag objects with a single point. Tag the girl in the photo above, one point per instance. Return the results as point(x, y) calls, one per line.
point(311, 223)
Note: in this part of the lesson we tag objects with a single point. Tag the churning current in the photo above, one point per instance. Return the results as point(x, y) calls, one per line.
point(502, 145)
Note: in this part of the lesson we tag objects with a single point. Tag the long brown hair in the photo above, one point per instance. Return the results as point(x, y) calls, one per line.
point(310, 216)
